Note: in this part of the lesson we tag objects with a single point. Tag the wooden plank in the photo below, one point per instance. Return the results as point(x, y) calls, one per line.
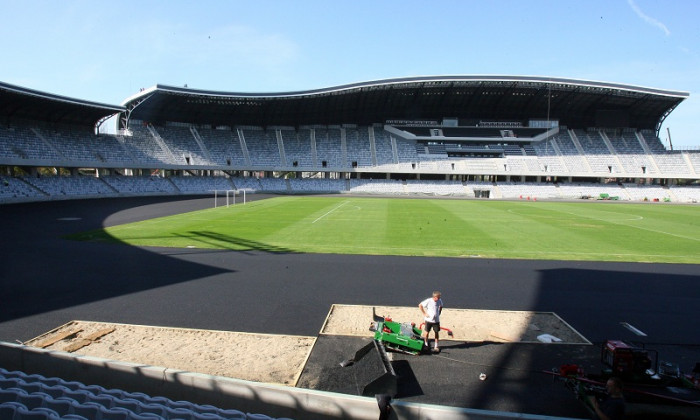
point(77, 345)
point(99, 334)
point(58, 337)
point(84, 342)
point(503, 337)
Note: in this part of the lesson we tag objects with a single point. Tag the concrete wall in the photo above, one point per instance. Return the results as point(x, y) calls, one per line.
point(246, 396)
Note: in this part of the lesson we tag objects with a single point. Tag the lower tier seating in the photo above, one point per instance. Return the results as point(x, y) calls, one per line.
point(32, 396)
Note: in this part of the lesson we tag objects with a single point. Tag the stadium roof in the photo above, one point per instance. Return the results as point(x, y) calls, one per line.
point(575, 103)
point(24, 103)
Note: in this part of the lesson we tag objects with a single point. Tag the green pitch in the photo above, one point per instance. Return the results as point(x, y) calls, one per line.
point(431, 227)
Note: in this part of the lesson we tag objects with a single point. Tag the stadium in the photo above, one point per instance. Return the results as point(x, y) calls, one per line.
point(476, 139)
point(492, 137)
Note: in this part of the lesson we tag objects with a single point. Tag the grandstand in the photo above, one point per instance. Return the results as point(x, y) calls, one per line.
point(516, 136)
point(485, 137)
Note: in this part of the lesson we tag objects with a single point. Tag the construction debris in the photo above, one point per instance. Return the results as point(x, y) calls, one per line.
point(58, 337)
point(77, 345)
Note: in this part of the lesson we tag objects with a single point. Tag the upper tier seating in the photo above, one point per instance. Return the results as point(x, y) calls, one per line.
point(184, 146)
point(262, 147)
point(358, 145)
point(328, 148)
point(223, 145)
point(23, 142)
point(297, 147)
point(383, 145)
point(144, 147)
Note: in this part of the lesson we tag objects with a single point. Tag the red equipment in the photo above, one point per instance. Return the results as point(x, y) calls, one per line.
point(627, 361)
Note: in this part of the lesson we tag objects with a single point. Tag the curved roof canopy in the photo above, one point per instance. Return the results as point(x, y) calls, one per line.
point(575, 103)
point(23, 103)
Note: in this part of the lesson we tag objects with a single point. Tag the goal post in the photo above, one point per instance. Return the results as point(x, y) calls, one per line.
point(230, 196)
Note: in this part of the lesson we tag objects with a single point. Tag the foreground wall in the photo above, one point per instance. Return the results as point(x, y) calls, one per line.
point(253, 397)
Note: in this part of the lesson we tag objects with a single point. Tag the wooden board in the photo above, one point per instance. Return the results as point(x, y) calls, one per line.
point(58, 337)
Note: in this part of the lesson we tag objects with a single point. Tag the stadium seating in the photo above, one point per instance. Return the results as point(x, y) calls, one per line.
point(183, 145)
point(511, 190)
point(298, 148)
point(247, 184)
point(59, 186)
point(385, 147)
point(328, 148)
point(317, 185)
point(201, 184)
point(262, 147)
point(646, 192)
point(29, 397)
point(140, 185)
point(311, 150)
point(376, 186)
point(435, 187)
point(685, 194)
point(359, 147)
point(224, 146)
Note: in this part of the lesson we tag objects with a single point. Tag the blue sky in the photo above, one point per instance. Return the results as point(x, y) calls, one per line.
point(106, 51)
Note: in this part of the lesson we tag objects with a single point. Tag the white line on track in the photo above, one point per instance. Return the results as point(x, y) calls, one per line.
point(633, 329)
point(330, 211)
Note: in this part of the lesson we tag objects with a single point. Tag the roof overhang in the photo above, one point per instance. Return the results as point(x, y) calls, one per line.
point(576, 103)
point(23, 103)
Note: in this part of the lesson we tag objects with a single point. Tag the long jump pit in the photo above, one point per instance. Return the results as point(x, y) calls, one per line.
point(266, 358)
point(508, 347)
point(465, 324)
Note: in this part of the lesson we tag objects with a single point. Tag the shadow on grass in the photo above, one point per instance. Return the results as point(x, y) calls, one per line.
point(222, 241)
point(197, 239)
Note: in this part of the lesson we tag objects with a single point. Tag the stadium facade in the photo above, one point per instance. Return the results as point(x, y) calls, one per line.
point(475, 136)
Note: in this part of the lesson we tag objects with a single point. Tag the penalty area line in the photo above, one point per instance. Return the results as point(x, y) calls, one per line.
point(330, 211)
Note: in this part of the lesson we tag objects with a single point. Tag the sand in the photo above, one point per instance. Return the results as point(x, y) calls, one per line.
point(280, 359)
point(466, 324)
point(264, 358)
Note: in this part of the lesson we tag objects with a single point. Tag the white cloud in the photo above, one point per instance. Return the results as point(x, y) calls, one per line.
point(648, 19)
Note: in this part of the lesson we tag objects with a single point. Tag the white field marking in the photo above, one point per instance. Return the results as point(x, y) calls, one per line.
point(330, 211)
point(473, 252)
point(663, 232)
point(633, 329)
point(619, 222)
point(516, 212)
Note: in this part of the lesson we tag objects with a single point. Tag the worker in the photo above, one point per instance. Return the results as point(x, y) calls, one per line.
point(613, 407)
point(431, 308)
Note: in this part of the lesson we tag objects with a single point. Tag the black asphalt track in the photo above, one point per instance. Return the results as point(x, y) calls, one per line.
point(47, 281)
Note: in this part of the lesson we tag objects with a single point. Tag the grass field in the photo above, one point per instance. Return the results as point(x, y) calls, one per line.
point(431, 227)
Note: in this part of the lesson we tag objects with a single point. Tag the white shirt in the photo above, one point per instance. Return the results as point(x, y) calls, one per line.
point(432, 309)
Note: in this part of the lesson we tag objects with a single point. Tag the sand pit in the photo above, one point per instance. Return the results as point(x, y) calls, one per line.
point(255, 357)
point(465, 324)
point(280, 359)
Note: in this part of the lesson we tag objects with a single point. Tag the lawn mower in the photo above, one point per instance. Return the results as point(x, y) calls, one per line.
point(401, 337)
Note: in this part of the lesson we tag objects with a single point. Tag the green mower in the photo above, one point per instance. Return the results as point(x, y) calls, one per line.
point(401, 337)
point(378, 371)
